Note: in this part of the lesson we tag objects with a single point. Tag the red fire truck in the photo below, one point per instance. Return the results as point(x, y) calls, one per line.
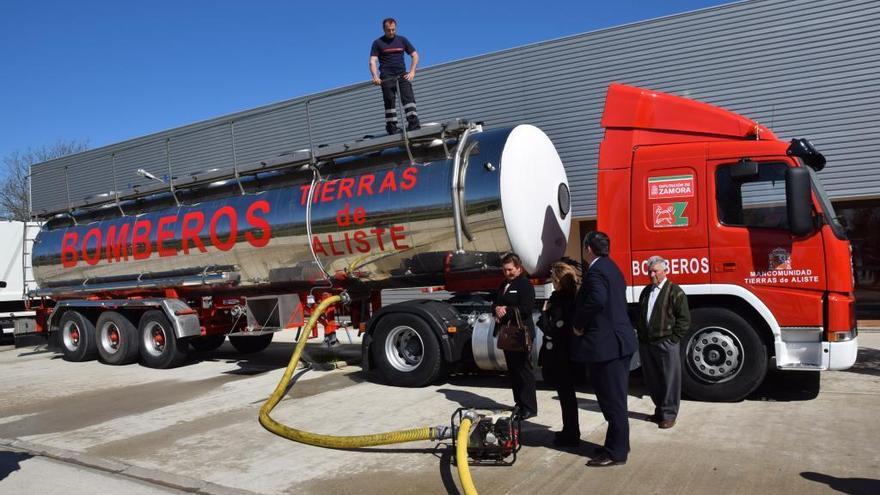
point(246, 251)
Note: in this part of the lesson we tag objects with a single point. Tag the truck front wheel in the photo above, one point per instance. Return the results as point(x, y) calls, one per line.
point(405, 351)
point(723, 357)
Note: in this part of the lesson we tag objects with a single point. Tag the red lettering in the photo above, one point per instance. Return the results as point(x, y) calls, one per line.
point(96, 254)
point(68, 249)
point(327, 191)
point(366, 184)
point(360, 237)
point(360, 215)
point(317, 247)
point(345, 185)
point(343, 217)
point(305, 193)
point(409, 178)
point(229, 242)
point(258, 222)
point(379, 231)
point(397, 235)
point(116, 246)
point(163, 235)
point(141, 246)
point(188, 231)
point(333, 245)
point(388, 183)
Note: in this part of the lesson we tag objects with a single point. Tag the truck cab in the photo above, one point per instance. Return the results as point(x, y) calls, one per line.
point(749, 233)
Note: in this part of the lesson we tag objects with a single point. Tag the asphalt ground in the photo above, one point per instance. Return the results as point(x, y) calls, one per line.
point(194, 429)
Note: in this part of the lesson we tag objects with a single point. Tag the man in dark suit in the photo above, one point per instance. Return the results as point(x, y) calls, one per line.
point(605, 340)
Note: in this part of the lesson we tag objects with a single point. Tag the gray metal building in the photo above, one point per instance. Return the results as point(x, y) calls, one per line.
point(805, 68)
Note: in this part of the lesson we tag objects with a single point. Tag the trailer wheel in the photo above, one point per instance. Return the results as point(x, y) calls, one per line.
point(247, 344)
point(117, 338)
point(159, 347)
point(207, 343)
point(77, 336)
point(723, 357)
point(406, 351)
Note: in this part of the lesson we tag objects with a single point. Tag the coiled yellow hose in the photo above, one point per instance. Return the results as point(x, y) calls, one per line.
point(356, 441)
point(330, 441)
point(461, 457)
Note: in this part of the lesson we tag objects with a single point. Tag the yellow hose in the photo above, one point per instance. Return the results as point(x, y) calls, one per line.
point(461, 457)
point(330, 441)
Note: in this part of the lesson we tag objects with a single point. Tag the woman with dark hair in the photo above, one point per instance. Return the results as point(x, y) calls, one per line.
point(516, 295)
point(555, 357)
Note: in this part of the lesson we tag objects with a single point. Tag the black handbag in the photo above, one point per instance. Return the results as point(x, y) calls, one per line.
point(514, 336)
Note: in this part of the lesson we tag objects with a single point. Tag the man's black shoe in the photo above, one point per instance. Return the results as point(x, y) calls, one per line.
point(523, 413)
point(391, 129)
point(604, 461)
point(413, 126)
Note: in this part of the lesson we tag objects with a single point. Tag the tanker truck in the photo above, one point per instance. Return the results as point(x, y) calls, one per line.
point(740, 214)
point(243, 253)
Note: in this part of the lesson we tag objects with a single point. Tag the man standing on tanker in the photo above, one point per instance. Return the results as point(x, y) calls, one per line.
point(388, 51)
point(605, 340)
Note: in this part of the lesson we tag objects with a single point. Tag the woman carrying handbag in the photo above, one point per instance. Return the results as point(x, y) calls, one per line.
point(513, 308)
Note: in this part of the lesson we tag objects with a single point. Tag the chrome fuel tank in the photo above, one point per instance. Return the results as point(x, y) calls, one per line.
point(380, 220)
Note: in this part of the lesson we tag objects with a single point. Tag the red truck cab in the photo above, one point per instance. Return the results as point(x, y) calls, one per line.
point(749, 233)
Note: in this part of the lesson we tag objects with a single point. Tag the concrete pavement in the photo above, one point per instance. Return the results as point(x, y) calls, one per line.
point(195, 429)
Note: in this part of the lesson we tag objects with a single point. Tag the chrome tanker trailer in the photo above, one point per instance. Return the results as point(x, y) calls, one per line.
point(248, 251)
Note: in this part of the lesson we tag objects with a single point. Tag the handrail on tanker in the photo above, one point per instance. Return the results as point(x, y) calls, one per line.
point(173, 185)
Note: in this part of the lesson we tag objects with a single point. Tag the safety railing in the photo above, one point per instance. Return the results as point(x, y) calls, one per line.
point(171, 183)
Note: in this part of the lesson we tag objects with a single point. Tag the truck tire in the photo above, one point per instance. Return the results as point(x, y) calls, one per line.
point(247, 344)
point(723, 357)
point(117, 338)
point(406, 351)
point(159, 347)
point(77, 337)
point(207, 343)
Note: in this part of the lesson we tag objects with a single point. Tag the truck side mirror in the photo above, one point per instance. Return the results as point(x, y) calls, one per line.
point(799, 201)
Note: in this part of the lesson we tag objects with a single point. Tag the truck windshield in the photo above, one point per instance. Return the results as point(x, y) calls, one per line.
point(827, 208)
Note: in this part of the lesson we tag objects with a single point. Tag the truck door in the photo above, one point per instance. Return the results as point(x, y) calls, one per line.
point(751, 245)
point(669, 214)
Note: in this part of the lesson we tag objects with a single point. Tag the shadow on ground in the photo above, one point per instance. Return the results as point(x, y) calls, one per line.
point(850, 486)
point(10, 462)
point(867, 362)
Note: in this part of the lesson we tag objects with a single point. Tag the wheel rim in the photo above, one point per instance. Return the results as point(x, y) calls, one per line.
point(404, 349)
point(155, 339)
point(715, 354)
point(70, 333)
point(110, 337)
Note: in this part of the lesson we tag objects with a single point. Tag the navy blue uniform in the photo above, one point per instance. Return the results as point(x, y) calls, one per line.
point(392, 68)
point(607, 346)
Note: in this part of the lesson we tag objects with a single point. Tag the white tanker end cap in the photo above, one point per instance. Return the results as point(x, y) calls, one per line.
point(535, 198)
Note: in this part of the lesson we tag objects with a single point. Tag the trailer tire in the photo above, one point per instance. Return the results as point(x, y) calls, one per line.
point(248, 344)
point(117, 338)
point(77, 337)
point(723, 357)
point(159, 347)
point(207, 343)
point(406, 351)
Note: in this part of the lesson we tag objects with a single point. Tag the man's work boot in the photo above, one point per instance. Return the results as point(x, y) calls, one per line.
point(391, 129)
point(413, 125)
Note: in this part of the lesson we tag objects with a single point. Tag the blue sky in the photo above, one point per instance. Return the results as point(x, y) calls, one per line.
point(106, 71)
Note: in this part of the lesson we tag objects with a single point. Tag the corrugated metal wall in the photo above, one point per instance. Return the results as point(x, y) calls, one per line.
point(806, 68)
